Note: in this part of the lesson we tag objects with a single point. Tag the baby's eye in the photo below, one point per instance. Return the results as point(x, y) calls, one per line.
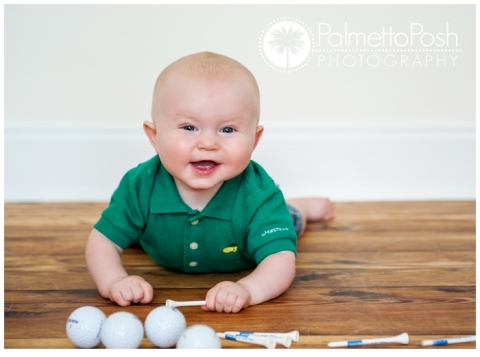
point(228, 130)
point(189, 127)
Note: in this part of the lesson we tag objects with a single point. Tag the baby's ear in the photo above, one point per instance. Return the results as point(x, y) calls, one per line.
point(258, 135)
point(151, 131)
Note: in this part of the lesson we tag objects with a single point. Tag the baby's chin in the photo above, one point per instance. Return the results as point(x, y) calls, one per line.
point(204, 184)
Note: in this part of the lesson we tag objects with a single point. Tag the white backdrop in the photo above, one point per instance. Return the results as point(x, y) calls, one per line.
point(378, 103)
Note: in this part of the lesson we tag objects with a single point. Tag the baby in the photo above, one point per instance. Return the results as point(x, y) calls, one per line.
point(201, 205)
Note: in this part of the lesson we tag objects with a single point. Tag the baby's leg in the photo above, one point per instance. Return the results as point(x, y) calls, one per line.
point(313, 209)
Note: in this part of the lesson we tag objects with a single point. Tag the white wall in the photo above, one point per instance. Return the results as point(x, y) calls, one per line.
point(78, 82)
point(85, 163)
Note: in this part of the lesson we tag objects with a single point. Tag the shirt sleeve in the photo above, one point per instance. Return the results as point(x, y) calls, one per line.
point(270, 229)
point(123, 221)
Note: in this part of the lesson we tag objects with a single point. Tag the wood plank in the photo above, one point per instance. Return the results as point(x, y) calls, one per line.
point(328, 240)
point(329, 312)
point(294, 296)
point(53, 243)
point(322, 278)
point(306, 342)
point(346, 260)
point(319, 319)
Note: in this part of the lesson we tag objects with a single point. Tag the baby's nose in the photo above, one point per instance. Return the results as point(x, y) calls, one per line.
point(208, 141)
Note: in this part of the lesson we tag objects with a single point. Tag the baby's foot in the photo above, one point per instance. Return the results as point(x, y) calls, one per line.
point(314, 209)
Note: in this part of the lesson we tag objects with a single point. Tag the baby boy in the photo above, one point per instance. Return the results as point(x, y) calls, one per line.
point(201, 205)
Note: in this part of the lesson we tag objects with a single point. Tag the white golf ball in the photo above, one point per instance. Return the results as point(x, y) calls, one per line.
point(122, 330)
point(84, 326)
point(164, 325)
point(199, 336)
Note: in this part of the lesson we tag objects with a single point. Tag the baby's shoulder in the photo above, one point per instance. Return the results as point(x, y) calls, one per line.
point(145, 169)
point(256, 187)
point(256, 179)
point(139, 180)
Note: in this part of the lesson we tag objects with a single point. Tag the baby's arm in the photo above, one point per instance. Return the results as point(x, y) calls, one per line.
point(104, 263)
point(270, 279)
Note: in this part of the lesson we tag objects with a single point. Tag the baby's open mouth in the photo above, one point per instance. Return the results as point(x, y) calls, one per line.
point(204, 165)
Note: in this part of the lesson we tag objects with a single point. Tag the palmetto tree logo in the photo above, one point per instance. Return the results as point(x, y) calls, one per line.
point(286, 44)
point(288, 41)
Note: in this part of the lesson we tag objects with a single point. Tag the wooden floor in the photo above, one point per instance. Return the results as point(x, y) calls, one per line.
point(377, 270)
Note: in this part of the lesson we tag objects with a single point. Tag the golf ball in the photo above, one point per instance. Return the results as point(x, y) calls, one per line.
point(84, 326)
point(164, 325)
point(199, 336)
point(122, 330)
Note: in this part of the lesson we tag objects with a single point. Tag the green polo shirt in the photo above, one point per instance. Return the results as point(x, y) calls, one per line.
point(246, 221)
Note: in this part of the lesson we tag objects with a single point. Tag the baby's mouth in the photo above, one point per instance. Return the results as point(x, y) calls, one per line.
point(204, 165)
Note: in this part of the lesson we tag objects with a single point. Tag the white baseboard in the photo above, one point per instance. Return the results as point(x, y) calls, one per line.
point(85, 163)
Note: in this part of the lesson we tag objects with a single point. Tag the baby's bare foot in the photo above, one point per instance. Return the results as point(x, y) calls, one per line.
point(314, 209)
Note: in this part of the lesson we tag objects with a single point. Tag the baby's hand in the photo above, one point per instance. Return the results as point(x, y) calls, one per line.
point(128, 289)
point(227, 296)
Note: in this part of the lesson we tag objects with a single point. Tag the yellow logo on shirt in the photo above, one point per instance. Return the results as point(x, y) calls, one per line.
point(230, 250)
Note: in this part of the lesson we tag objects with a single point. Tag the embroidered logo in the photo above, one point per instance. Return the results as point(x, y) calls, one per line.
point(273, 230)
point(230, 250)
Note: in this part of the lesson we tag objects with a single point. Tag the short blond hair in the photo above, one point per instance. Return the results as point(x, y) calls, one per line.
point(205, 65)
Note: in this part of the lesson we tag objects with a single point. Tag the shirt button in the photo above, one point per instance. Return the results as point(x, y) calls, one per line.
point(193, 245)
point(194, 223)
point(193, 264)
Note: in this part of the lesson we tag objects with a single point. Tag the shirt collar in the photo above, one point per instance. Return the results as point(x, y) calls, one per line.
point(221, 205)
point(166, 199)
